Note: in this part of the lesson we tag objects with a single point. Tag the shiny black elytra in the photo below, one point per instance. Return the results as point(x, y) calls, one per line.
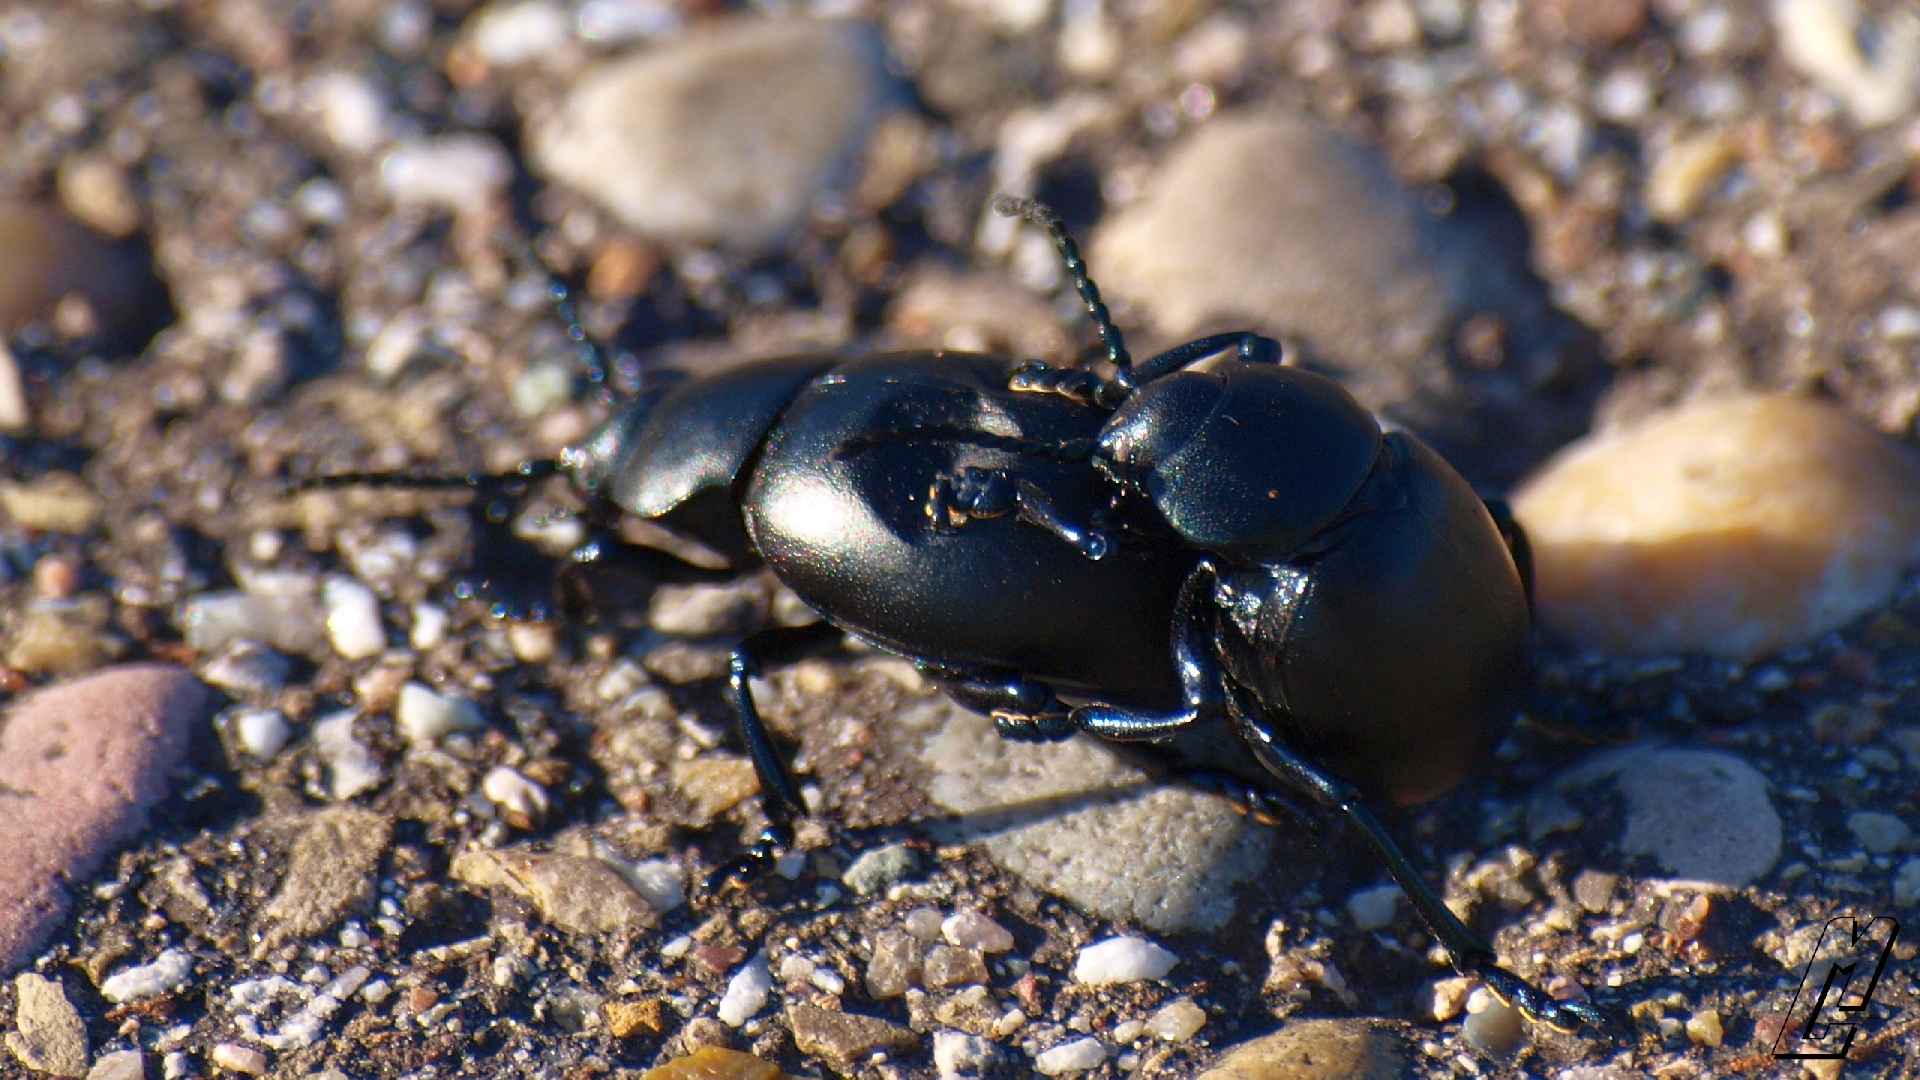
point(1232, 570)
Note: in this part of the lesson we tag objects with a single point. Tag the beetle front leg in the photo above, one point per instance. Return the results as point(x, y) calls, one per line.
point(779, 798)
point(1468, 954)
point(1201, 685)
point(1023, 710)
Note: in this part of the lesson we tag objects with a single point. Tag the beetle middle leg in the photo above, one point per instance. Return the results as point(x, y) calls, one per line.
point(779, 799)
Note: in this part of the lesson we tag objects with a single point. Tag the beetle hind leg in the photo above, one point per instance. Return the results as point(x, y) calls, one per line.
point(779, 797)
point(1468, 954)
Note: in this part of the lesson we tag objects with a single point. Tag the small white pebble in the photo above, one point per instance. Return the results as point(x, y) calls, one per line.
point(533, 643)
point(353, 937)
point(351, 767)
point(660, 881)
point(924, 923)
point(1071, 1057)
point(1374, 908)
point(828, 980)
point(353, 618)
point(677, 947)
point(1122, 960)
point(1128, 1030)
point(746, 992)
point(425, 716)
point(168, 971)
point(790, 864)
point(510, 790)
point(177, 1065)
point(352, 110)
point(449, 172)
point(234, 1057)
point(1177, 1021)
point(972, 930)
point(1633, 942)
point(507, 35)
point(263, 732)
point(429, 626)
point(795, 968)
point(376, 991)
point(1771, 680)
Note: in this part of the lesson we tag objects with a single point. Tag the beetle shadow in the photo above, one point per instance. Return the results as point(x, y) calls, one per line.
point(976, 825)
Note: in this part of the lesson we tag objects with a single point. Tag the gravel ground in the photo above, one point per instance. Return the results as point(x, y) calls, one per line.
point(432, 831)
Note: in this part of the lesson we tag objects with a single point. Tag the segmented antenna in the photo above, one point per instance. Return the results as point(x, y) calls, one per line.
point(585, 351)
point(1042, 215)
point(525, 472)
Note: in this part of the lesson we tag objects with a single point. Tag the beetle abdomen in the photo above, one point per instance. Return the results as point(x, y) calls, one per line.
point(1394, 650)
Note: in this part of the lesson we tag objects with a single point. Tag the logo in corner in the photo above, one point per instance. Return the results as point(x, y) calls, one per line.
point(1833, 996)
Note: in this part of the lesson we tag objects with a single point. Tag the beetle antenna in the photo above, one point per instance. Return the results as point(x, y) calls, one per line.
point(1042, 215)
point(585, 350)
point(525, 472)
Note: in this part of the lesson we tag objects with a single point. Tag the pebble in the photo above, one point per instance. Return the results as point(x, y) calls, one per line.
point(458, 173)
point(1079, 1055)
point(510, 34)
point(880, 867)
point(353, 618)
point(61, 640)
point(119, 1065)
point(703, 610)
point(48, 1035)
point(746, 992)
point(959, 1056)
point(1879, 833)
point(628, 1018)
point(1317, 1050)
point(1906, 884)
point(1343, 258)
point(429, 627)
point(660, 881)
point(1737, 527)
point(83, 763)
point(263, 733)
point(1703, 815)
point(1705, 1029)
point(1167, 858)
point(425, 716)
point(1177, 1021)
point(280, 609)
point(57, 502)
point(1685, 172)
point(714, 1063)
point(167, 972)
point(351, 767)
point(352, 111)
point(96, 189)
point(1492, 1027)
point(726, 136)
point(946, 966)
point(234, 1057)
point(972, 930)
point(894, 965)
point(331, 868)
point(576, 893)
point(1372, 909)
point(716, 783)
point(47, 256)
point(247, 668)
point(520, 797)
point(844, 1039)
point(1821, 39)
point(1122, 960)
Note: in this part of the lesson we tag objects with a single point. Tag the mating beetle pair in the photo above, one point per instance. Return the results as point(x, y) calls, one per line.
point(1233, 569)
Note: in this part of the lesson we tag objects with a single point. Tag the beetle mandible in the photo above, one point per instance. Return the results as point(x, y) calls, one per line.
point(1234, 570)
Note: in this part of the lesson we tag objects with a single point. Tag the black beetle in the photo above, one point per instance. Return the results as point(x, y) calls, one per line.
point(1234, 569)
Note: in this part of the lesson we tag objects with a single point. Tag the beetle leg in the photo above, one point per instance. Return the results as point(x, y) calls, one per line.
point(1037, 509)
point(1247, 346)
point(779, 798)
point(1194, 663)
point(1023, 710)
point(1468, 954)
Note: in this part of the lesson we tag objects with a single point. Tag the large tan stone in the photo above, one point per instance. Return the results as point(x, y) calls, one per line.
point(1736, 527)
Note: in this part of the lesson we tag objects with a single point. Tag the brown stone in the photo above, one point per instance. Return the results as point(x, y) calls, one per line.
point(1736, 527)
point(714, 1063)
point(841, 1038)
point(628, 1018)
point(716, 782)
point(1317, 1050)
point(330, 872)
point(80, 765)
point(576, 893)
